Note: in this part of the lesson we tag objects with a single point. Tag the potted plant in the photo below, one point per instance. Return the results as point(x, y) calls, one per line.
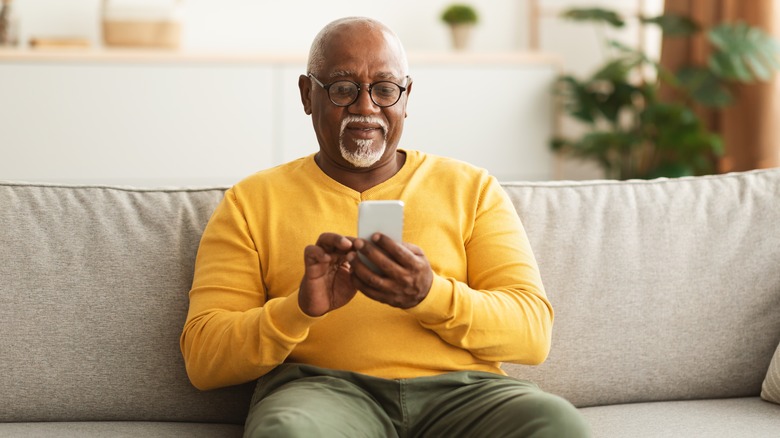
point(631, 131)
point(461, 18)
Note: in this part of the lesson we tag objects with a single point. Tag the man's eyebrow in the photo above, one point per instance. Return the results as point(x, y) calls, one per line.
point(341, 74)
point(384, 75)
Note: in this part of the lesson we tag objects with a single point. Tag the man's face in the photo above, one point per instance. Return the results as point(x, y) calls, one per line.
point(362, 134)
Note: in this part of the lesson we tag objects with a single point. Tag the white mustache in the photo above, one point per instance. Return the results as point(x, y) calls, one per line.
point(363, 119)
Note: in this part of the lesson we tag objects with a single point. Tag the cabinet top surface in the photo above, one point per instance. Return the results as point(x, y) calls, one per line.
point(134, 56)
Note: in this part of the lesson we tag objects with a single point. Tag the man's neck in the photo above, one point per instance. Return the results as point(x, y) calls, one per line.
point(361, 180)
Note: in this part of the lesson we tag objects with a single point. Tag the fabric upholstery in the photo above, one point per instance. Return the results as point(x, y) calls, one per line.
point(94, 285)
point(126, 429)
point(770, 390)
point(663, 289)
point(718, 418)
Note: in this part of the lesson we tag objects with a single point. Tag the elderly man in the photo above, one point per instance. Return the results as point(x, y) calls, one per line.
point(340, 350)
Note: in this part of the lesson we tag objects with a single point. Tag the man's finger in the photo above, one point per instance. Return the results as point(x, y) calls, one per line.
point(400, 252)
point(334, 242)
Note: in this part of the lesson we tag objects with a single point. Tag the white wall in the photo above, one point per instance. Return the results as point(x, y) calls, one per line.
point(580, 44)
point(290, 25)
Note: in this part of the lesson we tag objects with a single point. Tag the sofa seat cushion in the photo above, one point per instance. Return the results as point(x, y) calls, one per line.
point(725, 418)
point(770, 390)
point(100, 429)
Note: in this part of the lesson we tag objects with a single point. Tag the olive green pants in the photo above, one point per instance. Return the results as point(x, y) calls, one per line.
point(307, 401)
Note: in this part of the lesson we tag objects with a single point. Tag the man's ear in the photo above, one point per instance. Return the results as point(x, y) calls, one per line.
point(304, 85)
point(408, 92)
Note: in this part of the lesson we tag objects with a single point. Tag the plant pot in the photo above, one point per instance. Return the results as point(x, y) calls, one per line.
point(461, 35)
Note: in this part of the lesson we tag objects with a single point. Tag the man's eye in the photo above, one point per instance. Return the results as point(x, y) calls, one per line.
point(385, 90)
point(343, 89)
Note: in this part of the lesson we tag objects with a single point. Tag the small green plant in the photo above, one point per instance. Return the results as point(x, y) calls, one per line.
point(631, 131)
point(459, 14)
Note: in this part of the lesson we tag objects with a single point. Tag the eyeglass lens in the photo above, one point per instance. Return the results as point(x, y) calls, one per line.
point(344, 93)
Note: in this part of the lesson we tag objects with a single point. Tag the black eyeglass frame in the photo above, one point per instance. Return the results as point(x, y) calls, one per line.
point(326, 87)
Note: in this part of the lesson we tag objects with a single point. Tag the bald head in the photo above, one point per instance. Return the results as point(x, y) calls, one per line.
point(359, 25)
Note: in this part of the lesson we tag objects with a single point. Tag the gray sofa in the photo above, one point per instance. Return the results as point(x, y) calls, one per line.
point(667, 298)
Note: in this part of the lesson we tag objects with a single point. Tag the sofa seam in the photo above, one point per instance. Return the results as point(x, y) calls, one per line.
point(114, 187)
point(555, 184)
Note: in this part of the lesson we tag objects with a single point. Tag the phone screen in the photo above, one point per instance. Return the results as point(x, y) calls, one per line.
point(386, 217)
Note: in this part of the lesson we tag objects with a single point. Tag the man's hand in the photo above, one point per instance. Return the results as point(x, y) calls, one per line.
point(406, 273)
point(327, 284)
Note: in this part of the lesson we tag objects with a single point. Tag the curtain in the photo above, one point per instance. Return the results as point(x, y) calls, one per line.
point(750, 128)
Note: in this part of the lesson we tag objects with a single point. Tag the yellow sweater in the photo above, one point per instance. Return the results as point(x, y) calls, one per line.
point(486, 305)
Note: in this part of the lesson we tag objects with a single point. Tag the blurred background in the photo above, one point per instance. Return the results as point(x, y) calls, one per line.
point(194, 92)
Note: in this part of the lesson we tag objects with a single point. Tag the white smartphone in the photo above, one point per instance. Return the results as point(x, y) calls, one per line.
point(386, 217)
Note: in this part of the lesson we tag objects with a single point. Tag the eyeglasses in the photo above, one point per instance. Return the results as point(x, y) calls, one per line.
point(345, 93)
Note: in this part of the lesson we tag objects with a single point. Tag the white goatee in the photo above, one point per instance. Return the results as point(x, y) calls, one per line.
point(365, 155)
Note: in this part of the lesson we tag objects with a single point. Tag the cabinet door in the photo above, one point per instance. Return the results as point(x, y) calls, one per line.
point(139, 124)
point(496, 117)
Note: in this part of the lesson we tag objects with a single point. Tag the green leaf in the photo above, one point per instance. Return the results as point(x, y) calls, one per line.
point(459, 13)
point(721, 65)
point(623, 47)
point(620, 97)
point(673, 24)
point(758, 67)
point(559, 144)
point(633, 57)
point(667, 76)
point(680, 139)
point(670, 169)
point(743, 52)
point(599, 15)
point(615, 70)
point(716, 144)
point(730, 67)
point(704, 87)
point(576, 98)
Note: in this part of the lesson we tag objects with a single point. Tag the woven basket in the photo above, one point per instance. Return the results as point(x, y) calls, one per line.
point(121, 32)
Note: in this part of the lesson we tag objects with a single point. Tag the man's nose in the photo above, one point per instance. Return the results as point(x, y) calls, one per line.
point(364, 105)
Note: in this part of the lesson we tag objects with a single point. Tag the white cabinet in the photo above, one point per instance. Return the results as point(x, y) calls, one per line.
point(495, 115)
point(152, 119)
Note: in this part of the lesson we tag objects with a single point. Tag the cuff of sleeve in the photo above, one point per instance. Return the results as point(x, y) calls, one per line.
point(288, 318)
point(436, 306)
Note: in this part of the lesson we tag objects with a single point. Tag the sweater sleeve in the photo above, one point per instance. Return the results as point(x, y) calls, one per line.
point(232, 334)
point(502, 313)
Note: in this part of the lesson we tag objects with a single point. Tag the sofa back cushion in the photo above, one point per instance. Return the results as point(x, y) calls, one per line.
point(664, 289)
point(93, 285)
